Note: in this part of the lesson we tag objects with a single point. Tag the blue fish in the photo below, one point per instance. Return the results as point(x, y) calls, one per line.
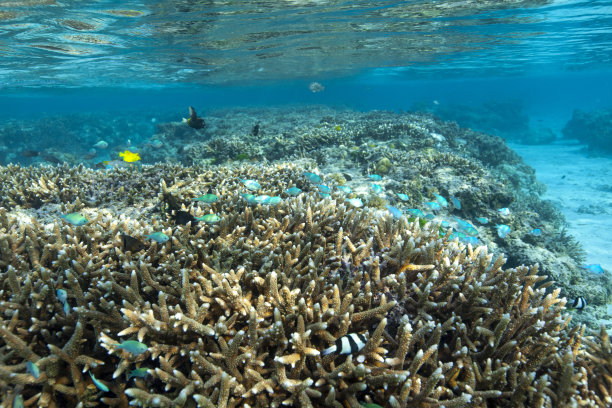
point(251, 184)
point(18, 401)
point(262, 199)
point(344, 189)
point(100, 385)
point(466, 227)
point(275, 200)
point(158, 237)
point(314, 178)
point(470, 240)
point(502, 230)
point(376, 188)
point(429, 217)
point(445, 224)
point(355, 202)
point(75, 219)
point(250, 198)
point(434, 205)
point(132, 346)
point(33, 369)
point(402, 196)
point(536, 232)
point(375, 177)
point(395, 212)
point(324, 189)
point(482, 220)
point(416, 212)
point(324, 195)
point(504, 212)
point(62, 295)
point(138, 373)
point(456, 202)
point(441, 200)
point(293, 191)
point(593, 268)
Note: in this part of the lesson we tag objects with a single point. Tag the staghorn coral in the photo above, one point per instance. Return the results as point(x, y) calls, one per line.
point(236, 314)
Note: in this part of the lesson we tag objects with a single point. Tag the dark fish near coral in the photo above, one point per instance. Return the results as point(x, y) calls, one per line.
point(131, 244)
point(349, 344)
point(183, 217)
point(255, 130)
point(29, 153)
point(194, 121)
point(579, 303)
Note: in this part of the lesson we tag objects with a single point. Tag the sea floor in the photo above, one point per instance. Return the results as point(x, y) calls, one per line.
point(581, 187)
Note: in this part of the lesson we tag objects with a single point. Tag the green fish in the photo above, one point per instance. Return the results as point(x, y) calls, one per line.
point(62, 295)
point(274, 200)
point(75, 219)
point(132, 346)
point(369, 405)
point(33, 369)
point(250, 198)
point(138, 373)
point(251, 184)
point(101, 386)
point(293, 191)
point(18, 401)
point(207, 198)
point(209, 218)
point(158, 237)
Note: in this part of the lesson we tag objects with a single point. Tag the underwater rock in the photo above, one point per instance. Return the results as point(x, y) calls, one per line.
point(591, 128)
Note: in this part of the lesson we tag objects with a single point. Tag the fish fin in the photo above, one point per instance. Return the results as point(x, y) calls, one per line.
point(192, 113)
point(328, 350)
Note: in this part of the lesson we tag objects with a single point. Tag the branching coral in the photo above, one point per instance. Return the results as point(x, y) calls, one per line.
point(236, 314)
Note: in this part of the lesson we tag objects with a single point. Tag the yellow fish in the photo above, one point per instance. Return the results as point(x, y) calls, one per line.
point(129, 156)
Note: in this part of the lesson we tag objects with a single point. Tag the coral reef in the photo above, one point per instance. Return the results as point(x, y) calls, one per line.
point(592, 129)
point(236, 314)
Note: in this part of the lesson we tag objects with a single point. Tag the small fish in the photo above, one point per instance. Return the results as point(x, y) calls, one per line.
point(183, 217)
point(337, 128)
point(207, 198)
point(445, 224)
point(262, 199)
point(482, 220)
point(375, 177)
point(466, 227)
point(250, 198)
point(194, 121)
point(502, 230)
point(132, 346)
point(209, 218)
point(504, 212)
point(316, 87)
point(129, 157)
point(33, 369)
point(536, 232)
point(251, 184)
point(138, 373)
point(579, 303)
point(314, 178)
point(355, 202)
point(324, 195)
point(131, 244)
point(324, 189)
point(369, 405)
point(344, 189)
point(593, 268)
point(101, 145)
point(429, 217)
point(293, 191)
point(441, 200)
point(99, 384)
point(456, 202)
point(376, 188)
point(470, 240)
point(416, 212)
point(155, 143)
point(158, 237)
point(62, 295)
point(75, 219)
point(275, 200)
point(434, 205)
point(349, 344)
point(395, 212)
point(18, 401)
point(66, 308)
point(29, 153)
point(402, 196)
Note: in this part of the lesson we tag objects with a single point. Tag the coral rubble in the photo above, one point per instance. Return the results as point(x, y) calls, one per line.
point(237, 313)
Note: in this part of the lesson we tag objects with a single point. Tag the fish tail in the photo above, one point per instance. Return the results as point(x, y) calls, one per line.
point(328, 350)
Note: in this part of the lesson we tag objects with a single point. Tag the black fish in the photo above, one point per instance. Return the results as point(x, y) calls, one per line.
point(131, 244)
point(194, 121)
point(349, 344)
point(579, 303)
point(29, 153)
point(183, 217)
point(255, 130)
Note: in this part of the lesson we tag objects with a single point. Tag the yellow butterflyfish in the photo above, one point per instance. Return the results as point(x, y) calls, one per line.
point(129, 156)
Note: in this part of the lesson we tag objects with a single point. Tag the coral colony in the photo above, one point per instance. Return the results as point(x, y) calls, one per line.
point(130, 287)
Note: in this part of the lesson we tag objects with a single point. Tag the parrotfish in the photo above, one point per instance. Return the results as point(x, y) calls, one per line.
point(33, 369)
point(375, 177)
point(209, 218)
point(593, 268)
point(293, 191)
point(207, 198)
point(395, 212)
point(402, 196)
point(324, 189)
point(100, 385)
point(504, 212)
point(158, 237)
point(274, 200)
point(344, 189)
point(456, 202)
point(502, 230)
point(314, 178)
point(441, 200)
point(251, 184)
point(355, 202)
point(482, 220)
point(434, 205)
point(75, 219)
point(376, 188)
point(349, 344)
point(132, 346)
point(536, 232)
